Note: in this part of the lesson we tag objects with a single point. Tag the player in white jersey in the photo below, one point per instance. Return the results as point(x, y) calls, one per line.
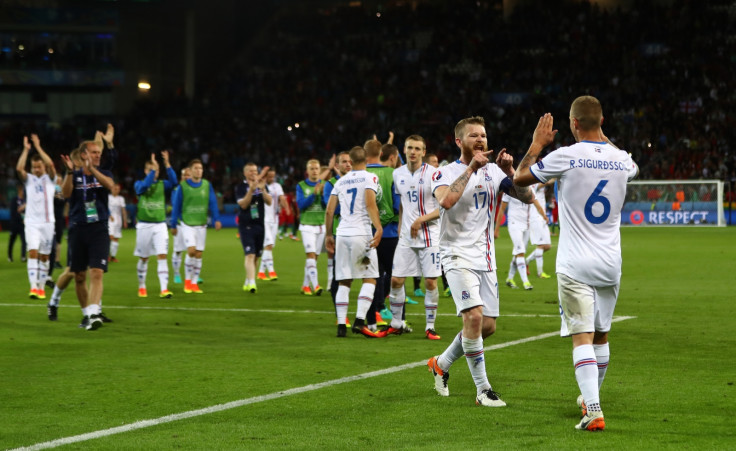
point(417, 252)
point(118, 220)
point(592, 176)
point(539, 230)
point(355, 248)
point(518, 225)
point(271, 225)
point(39, 214)
point(467, 191)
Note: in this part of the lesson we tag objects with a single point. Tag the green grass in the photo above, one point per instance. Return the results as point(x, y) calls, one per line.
point(670, 383)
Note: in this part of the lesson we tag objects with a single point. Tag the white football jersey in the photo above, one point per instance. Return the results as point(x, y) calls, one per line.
point(466, 229)
point(517, 213)
point(350, 191)
point(116, 205)
point(271, 212)
point(417, 200)
point(591, 191)
point(39, 199)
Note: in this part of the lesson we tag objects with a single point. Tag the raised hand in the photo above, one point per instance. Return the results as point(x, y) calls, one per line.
point(544, 134)
point(479, 160)
point(67, 162)
point(109, 134)
point(26, 144)
point(36, 141)
point(504, 160)
point(165, 156)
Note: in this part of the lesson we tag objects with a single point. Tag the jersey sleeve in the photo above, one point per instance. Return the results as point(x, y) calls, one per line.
point(631, 168)
point(551, 166)
point(441, 177)
point(372, 183)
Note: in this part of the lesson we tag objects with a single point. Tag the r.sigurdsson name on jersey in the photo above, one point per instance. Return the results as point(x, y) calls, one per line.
point(597, 164)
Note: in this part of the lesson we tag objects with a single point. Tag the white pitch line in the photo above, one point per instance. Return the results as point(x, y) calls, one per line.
point(256, 399)
point(247, 310)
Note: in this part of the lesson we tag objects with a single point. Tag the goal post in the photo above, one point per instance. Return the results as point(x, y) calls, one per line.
point(674, 203)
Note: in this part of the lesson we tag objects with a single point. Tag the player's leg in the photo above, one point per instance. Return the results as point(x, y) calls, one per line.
point(33, 237)
point(200, 233)
point(430, 266)
point(577, 301)
point(160, 248)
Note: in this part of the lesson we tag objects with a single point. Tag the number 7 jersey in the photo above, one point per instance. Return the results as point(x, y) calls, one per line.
point(416, 200)
point(466, 229)
point(350, 191)
point(591, 191)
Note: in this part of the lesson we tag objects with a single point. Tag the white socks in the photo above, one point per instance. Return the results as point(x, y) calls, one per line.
point(586, 373)
point(342, 299)
point(602, 356)
point(330, 270)
point(114, 245)
point(452, 353)
point(431, 299)
point(474, 354)
point(32, 269)
point(312, 272)
point(163, 274)
point(521, 266)
point(365, 298)
point(397, 298)
point(142, 271)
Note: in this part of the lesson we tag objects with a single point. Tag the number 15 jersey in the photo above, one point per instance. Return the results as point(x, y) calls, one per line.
point(417, 200)
point(466, 229)
point(350, 191)
point(591, 191)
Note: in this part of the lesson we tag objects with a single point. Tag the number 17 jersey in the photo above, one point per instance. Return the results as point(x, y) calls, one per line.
point(350, 191)
point(591, 191)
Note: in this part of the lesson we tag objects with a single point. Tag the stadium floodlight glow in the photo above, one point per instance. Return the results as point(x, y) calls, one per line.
point(649, 144)
point(378, 14)
point(51, 50)
point(144, 86)
point(21, 47)
point(289, 128)
point(296, 125)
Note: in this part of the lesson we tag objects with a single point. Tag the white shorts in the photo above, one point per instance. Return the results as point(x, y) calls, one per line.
point(350, 253)
point(519, 234)
point(471, 288)
point(584, 308)
point(539, 231)
point(151, 238)
point(40, 237)
point(416, 261)
point(179, 245)
point(194, 236)
point(115, 229)
point(313, 236)
point(270, 230)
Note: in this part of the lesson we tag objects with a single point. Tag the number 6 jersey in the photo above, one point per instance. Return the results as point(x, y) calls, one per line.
point(591, 191)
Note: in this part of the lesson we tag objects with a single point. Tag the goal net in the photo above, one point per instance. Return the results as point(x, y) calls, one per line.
point(674, 202)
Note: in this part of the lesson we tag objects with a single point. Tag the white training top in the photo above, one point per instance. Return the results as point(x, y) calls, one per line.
point(415, 190)
point(350, 191)
point(116, 204)
point(39, 199)
point(466, 229)
point(271, 212)
point(591, 191)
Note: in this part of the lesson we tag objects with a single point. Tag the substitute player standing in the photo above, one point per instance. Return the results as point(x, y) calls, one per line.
point(39, 213)
point(179, 246)
point(417, 252)
point(311, 225)
point(355, 248)
point(592, 176)
point(467, 191)
point(151, 233)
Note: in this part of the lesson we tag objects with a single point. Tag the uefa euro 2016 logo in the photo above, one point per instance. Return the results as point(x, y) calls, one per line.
point(437, 175)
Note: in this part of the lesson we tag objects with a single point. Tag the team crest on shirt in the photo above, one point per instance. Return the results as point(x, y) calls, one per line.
point(421, 181)
point(465, 295)
point(401, 182)
point(437, 175)
point(540, 165)
point(488, 177)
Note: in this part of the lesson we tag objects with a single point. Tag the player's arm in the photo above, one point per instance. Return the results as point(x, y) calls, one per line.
point(176, 203)
point(67, 185)
point(372, 207)
point(141, 186)
point(325, 175)
point(214, 211)
point(499, 211)
point(539, 208)
point(417, 225)
point(104, 180)
point(329, 222)
point(543, 136)
point(267, 198)
point(125, 216)
point(303, 202)
point(50, 168)
point(284, 204)
point(20, 167)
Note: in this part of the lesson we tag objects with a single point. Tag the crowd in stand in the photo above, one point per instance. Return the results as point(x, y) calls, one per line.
point(319, 81)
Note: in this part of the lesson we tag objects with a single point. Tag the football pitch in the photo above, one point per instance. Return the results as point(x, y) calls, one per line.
point(228, 369)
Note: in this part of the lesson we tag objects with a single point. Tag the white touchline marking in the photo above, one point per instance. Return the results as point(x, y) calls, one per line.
point(256, 399)
point(248, 310)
